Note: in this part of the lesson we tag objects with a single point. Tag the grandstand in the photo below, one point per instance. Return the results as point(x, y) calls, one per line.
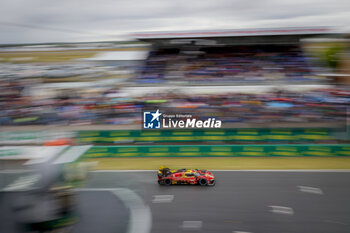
point(251, 56)
point(248, 78)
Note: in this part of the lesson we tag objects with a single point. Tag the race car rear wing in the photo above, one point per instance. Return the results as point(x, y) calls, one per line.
point(163, 171)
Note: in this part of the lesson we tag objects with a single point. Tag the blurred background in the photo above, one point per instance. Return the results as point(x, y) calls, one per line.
point(75, 78)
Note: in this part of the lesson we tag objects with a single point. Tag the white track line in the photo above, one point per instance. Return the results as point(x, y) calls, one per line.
point(292, 170)
point(102, 171)
point(281, 210)
point(140, 214)
point(191, 225)
point(307, 189)
point(162, 198)
point(286, 170)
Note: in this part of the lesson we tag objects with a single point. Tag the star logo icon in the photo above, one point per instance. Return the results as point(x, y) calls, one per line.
point(156, 115)
point(151, 120)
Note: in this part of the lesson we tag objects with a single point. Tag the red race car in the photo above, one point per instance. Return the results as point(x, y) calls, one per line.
point(185, 176)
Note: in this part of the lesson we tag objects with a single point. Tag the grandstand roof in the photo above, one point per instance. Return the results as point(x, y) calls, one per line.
point(233, 33)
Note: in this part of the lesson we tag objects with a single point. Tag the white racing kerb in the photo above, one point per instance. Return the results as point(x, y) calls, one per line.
point(140, 213)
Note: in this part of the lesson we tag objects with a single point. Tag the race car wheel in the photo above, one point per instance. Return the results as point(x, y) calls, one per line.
point(167, 182)
point(202, 182)
point(212, 183)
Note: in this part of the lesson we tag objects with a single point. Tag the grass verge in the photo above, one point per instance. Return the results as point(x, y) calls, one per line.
point(223, 163)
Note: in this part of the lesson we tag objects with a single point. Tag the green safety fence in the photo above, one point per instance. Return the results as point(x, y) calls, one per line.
point(32, 137)
point(219, 150)
point(228, 135)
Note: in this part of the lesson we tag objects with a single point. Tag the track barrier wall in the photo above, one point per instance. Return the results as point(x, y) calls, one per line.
point(319, 150)
point(227, 135)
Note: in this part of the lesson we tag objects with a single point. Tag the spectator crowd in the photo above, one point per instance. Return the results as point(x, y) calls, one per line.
point(213, 66)
point(238, 64)
point(110, 107)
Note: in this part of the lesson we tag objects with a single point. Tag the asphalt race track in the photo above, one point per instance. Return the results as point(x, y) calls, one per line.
point(242, 201)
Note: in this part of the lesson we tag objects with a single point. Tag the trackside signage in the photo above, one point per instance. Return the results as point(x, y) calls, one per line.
point(158, 120)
